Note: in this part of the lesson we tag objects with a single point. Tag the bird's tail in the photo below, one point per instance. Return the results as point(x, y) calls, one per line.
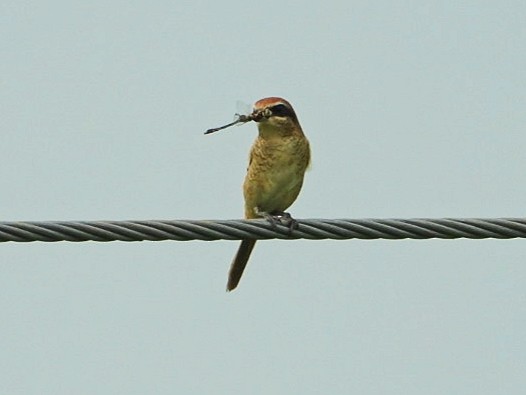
point(239, 263)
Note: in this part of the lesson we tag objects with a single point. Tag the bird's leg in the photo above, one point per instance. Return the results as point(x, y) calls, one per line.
point(272, 219)
point(286, 219)
point(279, 216)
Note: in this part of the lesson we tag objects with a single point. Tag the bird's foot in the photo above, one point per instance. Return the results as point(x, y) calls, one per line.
point(280, 217)
point(287, 220)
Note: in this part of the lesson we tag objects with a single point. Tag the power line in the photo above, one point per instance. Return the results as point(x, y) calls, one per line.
point(312, 229)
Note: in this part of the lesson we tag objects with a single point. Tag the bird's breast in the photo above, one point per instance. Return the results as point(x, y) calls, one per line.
point(275, 173)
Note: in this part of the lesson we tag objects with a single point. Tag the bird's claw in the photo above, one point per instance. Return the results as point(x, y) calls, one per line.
point(282, 218)
point(272, 219)
point(287, 220)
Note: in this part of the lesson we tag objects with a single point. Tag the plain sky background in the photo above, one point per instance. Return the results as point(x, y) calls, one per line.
point(412, 108)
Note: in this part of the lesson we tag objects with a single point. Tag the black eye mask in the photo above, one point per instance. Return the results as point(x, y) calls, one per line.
point(282, 110)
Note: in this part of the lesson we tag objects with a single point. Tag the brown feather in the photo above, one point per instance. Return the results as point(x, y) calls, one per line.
point(239, 263)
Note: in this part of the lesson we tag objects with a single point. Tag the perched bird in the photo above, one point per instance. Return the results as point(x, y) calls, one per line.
point(278, 160)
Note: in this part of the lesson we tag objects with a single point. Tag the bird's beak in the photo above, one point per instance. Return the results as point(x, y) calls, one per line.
point(261, 115)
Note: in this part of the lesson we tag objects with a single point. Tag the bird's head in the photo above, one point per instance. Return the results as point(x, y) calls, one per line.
point(275, 114)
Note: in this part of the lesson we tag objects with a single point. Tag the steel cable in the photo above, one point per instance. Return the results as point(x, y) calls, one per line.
point(312, 229)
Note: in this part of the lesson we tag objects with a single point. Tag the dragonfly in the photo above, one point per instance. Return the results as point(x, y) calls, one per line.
point(243, 115)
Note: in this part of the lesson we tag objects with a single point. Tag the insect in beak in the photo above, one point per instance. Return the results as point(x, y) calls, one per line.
point(256, 115)
point(240, 119)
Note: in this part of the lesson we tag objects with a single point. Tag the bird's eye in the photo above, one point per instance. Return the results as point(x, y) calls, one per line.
point(281, 110)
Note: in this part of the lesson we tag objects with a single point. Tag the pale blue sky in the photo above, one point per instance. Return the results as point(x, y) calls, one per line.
point(413, 109)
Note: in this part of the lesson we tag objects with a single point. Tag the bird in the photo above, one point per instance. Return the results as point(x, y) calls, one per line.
point(278, 160)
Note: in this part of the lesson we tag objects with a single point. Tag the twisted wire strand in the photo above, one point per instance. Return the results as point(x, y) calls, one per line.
point(312, 229)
